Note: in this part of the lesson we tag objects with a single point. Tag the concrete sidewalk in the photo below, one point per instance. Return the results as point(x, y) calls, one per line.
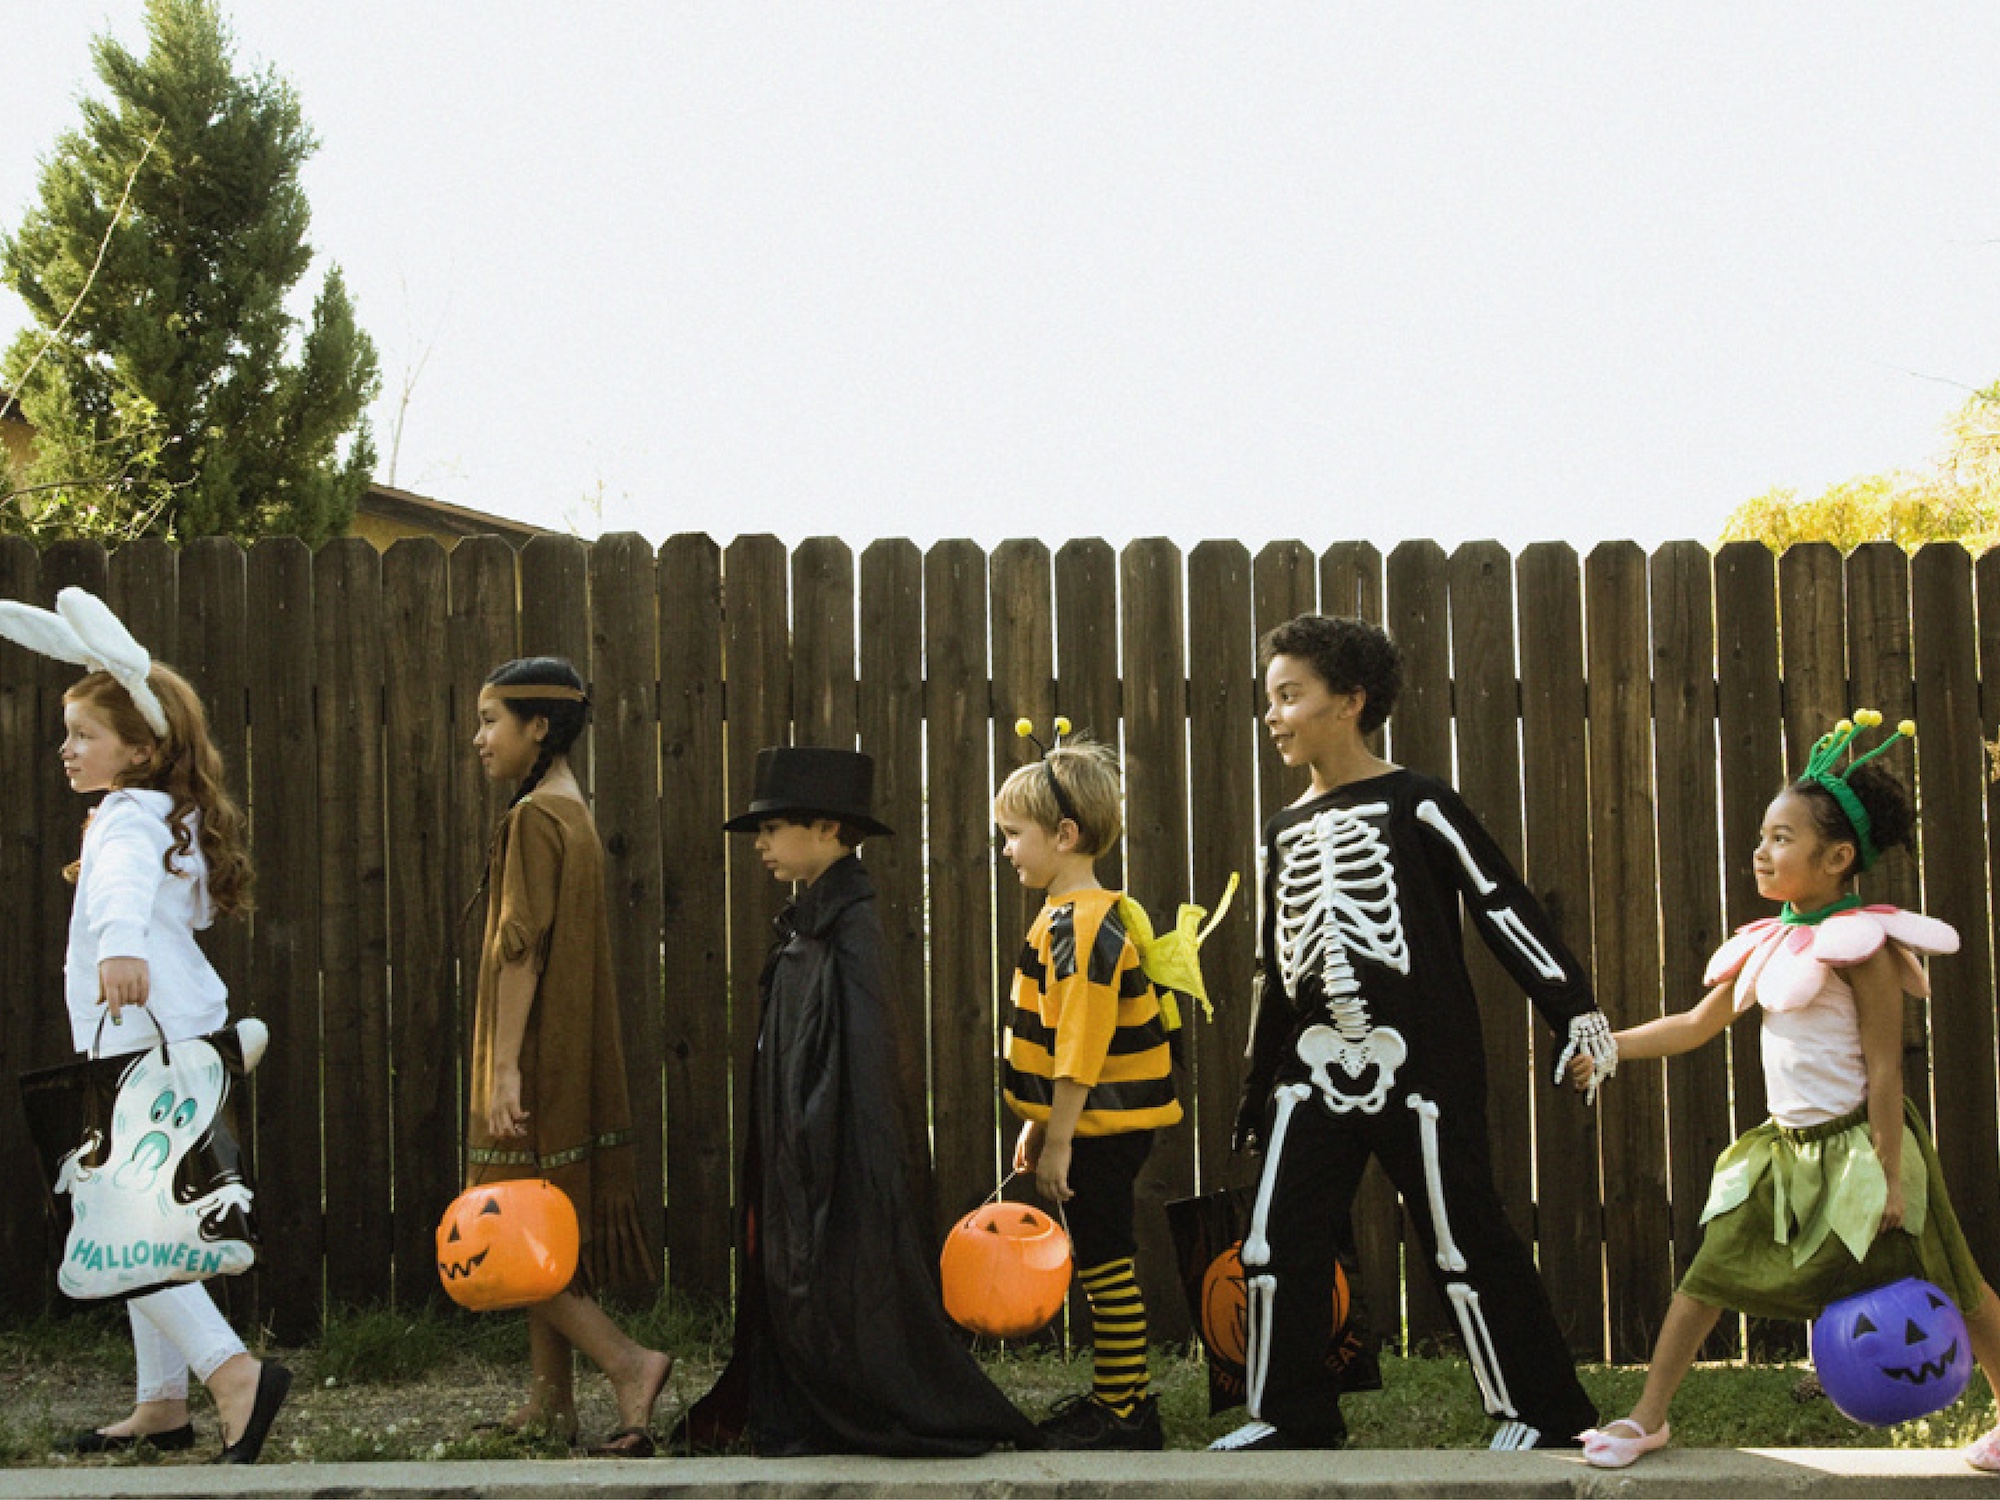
point(1717, 1472)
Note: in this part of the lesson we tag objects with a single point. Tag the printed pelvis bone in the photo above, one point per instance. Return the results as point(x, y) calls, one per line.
point(1341, 1064)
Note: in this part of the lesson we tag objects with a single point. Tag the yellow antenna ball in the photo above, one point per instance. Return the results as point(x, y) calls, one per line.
point(1908, 728)
point(1868, 718)
point(1024, 727)
point(1062, 725)
point(1845, 726)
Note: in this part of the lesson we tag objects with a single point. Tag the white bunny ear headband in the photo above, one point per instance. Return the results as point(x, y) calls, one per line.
point(82, 629)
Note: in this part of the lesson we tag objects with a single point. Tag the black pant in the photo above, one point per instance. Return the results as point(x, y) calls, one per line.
point(1103, 1170)
point(1319, 1167)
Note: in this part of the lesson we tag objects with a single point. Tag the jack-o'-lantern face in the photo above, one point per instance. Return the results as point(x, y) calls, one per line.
point(507, 1244)
point(1892, 1353)
point(1005, 1269)
point(1922, 1350)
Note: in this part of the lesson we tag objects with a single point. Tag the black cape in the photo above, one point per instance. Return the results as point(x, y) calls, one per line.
point(842, 1344)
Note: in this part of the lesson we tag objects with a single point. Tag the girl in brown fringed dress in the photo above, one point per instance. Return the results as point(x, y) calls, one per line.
point(548, 1071)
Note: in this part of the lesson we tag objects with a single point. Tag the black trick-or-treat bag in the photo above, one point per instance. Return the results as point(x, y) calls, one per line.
point(143, 1161)
point(1208, 1235)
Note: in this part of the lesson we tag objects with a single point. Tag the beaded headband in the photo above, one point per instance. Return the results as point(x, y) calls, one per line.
point(1822, 770)
point(1025, 728)
point(535, 690)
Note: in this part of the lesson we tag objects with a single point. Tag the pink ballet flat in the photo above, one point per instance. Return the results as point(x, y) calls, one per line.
point(1606, 1449)
point(1985, 1454)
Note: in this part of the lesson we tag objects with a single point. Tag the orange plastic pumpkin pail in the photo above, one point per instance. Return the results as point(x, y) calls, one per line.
point(507, 1244)
point(1006, 1270)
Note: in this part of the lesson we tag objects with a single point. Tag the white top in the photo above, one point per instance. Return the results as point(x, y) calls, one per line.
point(127, 906)
point(1813, 1067)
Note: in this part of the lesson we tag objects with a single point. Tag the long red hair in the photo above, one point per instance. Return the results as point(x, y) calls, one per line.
point(186, 766)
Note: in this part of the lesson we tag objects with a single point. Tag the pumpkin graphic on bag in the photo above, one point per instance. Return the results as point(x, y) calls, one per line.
point(1225, 1312)
point(1893, 1353)
point(507, 1244)
point(1006, 1270)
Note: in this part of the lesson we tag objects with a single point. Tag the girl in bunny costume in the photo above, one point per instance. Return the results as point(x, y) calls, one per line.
point(163, 855)
point(1840, 1188)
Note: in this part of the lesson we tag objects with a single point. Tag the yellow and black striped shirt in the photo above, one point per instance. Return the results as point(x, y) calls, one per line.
point(1084, 1010)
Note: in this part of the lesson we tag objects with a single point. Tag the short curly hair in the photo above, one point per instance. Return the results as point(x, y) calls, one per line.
point(1349, 655)
point(1892, 814)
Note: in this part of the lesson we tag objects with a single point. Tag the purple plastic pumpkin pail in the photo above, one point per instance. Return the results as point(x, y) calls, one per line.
point(1892, 1353)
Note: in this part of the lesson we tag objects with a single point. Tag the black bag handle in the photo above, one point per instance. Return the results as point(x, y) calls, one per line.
point(97, 1038)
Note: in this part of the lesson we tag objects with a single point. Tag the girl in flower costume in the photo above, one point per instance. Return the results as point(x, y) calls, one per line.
point(1840, 1189)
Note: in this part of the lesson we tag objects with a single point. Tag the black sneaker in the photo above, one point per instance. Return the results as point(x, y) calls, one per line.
point(1085, 1422)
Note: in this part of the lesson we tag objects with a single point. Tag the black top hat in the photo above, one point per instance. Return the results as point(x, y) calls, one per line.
point(796, 781)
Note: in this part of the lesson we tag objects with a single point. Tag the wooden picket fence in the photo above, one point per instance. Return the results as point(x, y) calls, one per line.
point(1619, 720)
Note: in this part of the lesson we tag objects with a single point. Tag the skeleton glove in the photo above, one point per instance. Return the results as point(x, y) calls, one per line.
point(1248, 1134)
point(1589, 1036)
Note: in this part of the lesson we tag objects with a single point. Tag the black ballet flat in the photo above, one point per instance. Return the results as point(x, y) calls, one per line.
point(173, 1440)
point(274, 1382)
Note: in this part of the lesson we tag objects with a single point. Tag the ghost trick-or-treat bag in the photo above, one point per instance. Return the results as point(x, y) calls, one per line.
point(143, 1162)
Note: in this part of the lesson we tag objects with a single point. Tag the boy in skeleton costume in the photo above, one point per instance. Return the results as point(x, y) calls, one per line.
point(1366, 1042)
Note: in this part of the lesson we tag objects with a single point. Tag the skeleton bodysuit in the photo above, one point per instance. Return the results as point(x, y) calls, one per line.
point(1366, 1043)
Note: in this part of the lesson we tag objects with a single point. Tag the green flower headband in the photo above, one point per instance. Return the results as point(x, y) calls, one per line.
point(1822, 768)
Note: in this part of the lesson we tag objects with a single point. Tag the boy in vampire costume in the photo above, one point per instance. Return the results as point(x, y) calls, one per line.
point(1366, 1042)
point(842, 1344)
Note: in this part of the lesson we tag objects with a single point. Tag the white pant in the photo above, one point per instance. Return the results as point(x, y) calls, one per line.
point(174, 1330)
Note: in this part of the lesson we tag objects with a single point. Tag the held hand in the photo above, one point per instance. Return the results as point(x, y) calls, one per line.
point(1052, 1171)
point(1580, 1071)
point(505, 1118)
point(1892, 1211)
point(1248, 1133)
point(1028, 1147)
point(122, 982)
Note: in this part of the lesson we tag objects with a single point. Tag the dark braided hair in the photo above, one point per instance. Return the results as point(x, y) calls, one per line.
point(1892, 816)
point(567, 716)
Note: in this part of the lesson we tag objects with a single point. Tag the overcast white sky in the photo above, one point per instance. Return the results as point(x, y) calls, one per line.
point(1263, 270)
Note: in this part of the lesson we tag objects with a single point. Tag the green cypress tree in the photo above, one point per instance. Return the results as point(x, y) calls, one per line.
point(180, 397)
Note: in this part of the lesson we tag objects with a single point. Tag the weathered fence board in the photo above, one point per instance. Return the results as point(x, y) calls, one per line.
point(1569, 1220)
point(1628, 936)
point(353, 918)
point(285, 960)
point(1684, 778)
point(694, 1034)
point(1154, 631)
point(1949, 752)
point(34, 1025)
point(964, 1040)
point(892, 734)
point(421, 745)
point(624, 747)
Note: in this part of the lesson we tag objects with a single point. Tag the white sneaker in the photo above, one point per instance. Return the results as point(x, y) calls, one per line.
point(1249, 1435)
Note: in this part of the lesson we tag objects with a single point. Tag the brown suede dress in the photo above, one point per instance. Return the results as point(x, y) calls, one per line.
point(545, 903)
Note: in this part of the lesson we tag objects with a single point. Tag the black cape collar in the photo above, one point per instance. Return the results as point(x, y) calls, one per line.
point(843, 883)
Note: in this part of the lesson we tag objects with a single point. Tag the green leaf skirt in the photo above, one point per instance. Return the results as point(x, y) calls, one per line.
point(1791, 1221)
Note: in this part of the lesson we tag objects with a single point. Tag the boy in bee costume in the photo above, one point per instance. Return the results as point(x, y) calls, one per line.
point(1089, 1068)
point(1366, 1042)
